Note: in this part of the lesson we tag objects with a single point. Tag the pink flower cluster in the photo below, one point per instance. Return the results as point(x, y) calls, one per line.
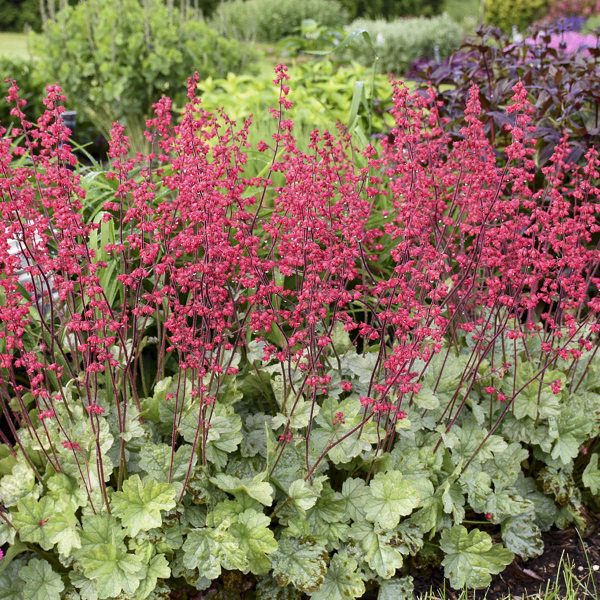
point(408, 247)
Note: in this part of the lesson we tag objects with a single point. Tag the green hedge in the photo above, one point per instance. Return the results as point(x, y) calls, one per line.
point(507, 14)
point(272, 20)
point(16, 15)
point(399, 43)
point(389, 9)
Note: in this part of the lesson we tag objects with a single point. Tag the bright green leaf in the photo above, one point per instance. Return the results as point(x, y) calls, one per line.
point(41, 582)
point(251, 531)
point(379, 548)
point(591, 475)
point(158, 568)
point(391, 498)
point(357, 496)
point(261, 491)
point(113, 569)
point(140, 503)
point(35, 521)
point(304, 494)
point(471, 558)
point(342, 580)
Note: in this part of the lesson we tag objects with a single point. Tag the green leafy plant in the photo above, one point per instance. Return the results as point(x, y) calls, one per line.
point(507, 14)
point(116, 58)
point(399, 43)
point(272, 20)
point(390, 9)
point(16, 15)
point(325, 96)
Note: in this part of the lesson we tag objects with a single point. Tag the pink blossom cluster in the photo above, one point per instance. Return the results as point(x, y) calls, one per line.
point(409, 247)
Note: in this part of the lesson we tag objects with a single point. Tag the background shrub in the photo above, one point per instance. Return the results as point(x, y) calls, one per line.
point(573, 8)
point(271, 20)
point(563, 81)
point(507, 14)
point(388, 9)
point(115, 58)
point(15, 15)
point(399, 43)
point(32, 88)
point(322, 97)
point(592, 24)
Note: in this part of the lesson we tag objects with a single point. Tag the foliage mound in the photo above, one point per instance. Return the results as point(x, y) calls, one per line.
point(390, 9)
point(312, 378)
point(272, 20)
point(509, 14)
point(397, 44)
point(115, 57)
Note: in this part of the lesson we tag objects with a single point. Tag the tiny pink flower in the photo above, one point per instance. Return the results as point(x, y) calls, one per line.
point(339, 418)
point(347, 386)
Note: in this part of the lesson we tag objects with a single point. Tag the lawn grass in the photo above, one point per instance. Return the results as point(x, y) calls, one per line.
point(13, 45)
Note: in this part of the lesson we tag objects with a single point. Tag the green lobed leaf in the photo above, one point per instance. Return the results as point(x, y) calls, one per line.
point(304, 494)
point(11, 585)
point(155, 460)
point(256, 540)
point(157, 568)
point(255, 488)
point(391, 498)
point(98, 530)
point(379, 548)
point(342, 580)
point(396, 589)
point(357, 494)
point(20, 483)
point(113, 569)
point(471, 558)
point(40, 581)
point(41, 523)
point(211, 549)
point(522, 536)
point(140, 503)
point(591, 475)
point(299, 562)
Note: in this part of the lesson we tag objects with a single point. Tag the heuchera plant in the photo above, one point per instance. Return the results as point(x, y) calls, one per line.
point(303, 382)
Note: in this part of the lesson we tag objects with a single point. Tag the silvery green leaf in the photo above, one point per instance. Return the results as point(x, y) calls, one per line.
point(522, 536)
point(342, 580)
point(299, 562)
